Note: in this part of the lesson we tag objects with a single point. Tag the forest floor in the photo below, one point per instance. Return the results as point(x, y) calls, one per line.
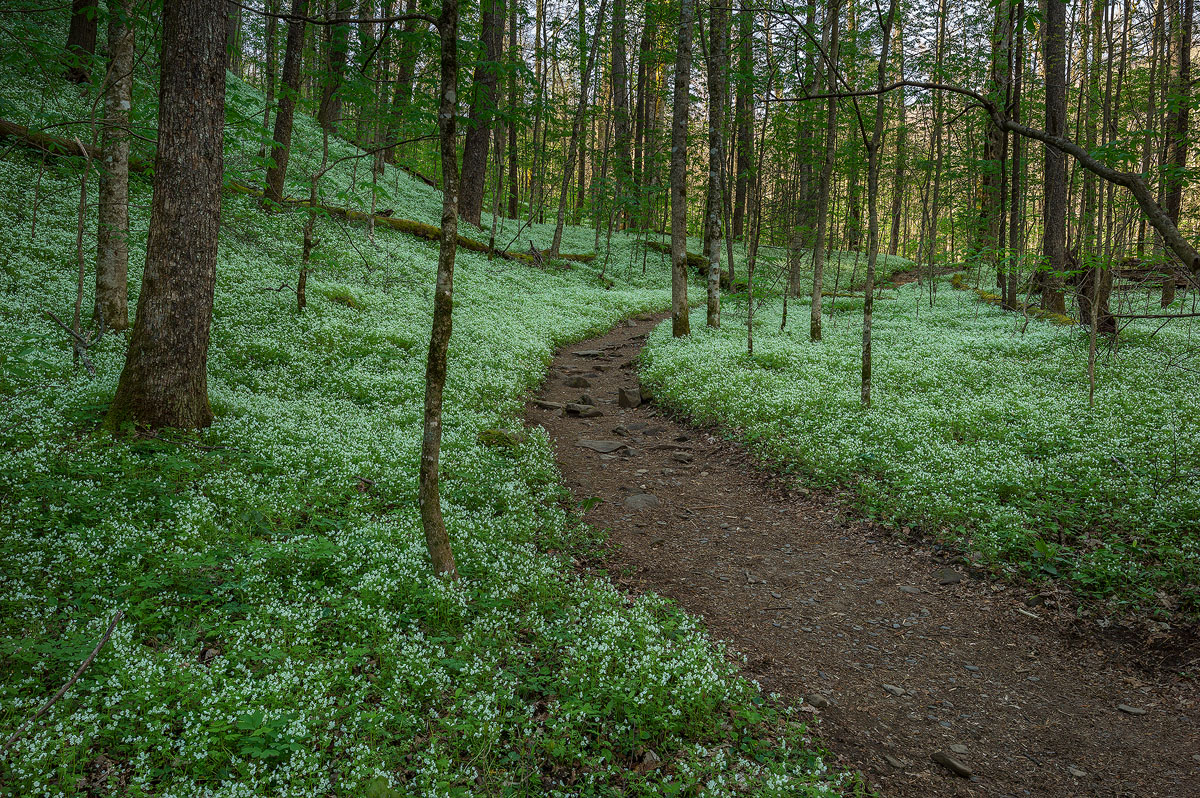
point(902, 649)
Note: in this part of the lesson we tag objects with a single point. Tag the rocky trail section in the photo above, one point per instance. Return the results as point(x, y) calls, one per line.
point(928, 677)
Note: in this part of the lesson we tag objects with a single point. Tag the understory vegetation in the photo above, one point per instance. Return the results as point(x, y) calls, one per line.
point(283, 633)
point(980, 434)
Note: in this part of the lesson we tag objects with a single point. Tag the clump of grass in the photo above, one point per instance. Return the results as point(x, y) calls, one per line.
point(341, 295)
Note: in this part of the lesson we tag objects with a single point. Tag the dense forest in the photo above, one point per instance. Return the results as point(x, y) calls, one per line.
point(612, 397)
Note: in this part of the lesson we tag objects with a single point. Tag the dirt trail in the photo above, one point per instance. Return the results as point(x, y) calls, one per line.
point(901, 649)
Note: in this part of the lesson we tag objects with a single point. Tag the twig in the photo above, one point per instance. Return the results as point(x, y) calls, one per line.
point(63, 690)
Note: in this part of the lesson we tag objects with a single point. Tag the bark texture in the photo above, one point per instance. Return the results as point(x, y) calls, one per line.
point(289, 91)
point(165, 380)
point(81, 40)
point(718, 65)
point(112, 235)
point(483, 109)
point(680, 324)
point(437, 540)
point(1054, 213)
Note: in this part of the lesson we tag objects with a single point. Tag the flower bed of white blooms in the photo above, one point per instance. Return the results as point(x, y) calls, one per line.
point(978, 432)
point(283, 632)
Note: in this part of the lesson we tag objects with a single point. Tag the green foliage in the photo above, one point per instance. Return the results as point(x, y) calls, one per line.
point(284, 634)
point(978, 433)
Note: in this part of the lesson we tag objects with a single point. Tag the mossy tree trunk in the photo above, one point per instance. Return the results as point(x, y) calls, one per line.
point(165, 381)
point(428, 493)
point(112, 235)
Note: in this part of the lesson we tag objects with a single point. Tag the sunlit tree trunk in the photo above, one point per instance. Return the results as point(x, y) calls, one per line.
point(744, 110)
point(873, 205)
point(1054, 210)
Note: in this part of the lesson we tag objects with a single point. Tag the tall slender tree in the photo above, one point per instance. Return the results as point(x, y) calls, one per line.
point(680, 324)
point(718, 68)
point(437, 540)
point(112, 235)
point(483, 110)
point(1054, 203)
point(819, 239)
point(576, 127)
point(329, 113)
point(289, 93)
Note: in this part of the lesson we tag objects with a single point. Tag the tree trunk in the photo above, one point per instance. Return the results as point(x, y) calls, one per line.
point(165, 382)
point(406, 64)
point(513, 167)
point(366, 48)
point(112, 234)
point(576, 126)
point(818, 256)
point(581, 180)
point(289, 91)
point(233, 39)
point(1054, 208)
point(623, 167)
point(744, 109)
point(898, 186)
point(1179, 103)
point(81, 39)
point(428, 493)
point(269, 72)
point(680, 325)
point(329, 114)
point(483, 104)
point(873, 207)
point(718, 57)
point(1008, 286)
point(639, 115)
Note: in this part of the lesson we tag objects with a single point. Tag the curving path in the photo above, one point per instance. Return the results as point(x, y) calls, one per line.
point(928, 677)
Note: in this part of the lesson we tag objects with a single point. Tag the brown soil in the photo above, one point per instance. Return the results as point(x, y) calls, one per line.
point(828, 608)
